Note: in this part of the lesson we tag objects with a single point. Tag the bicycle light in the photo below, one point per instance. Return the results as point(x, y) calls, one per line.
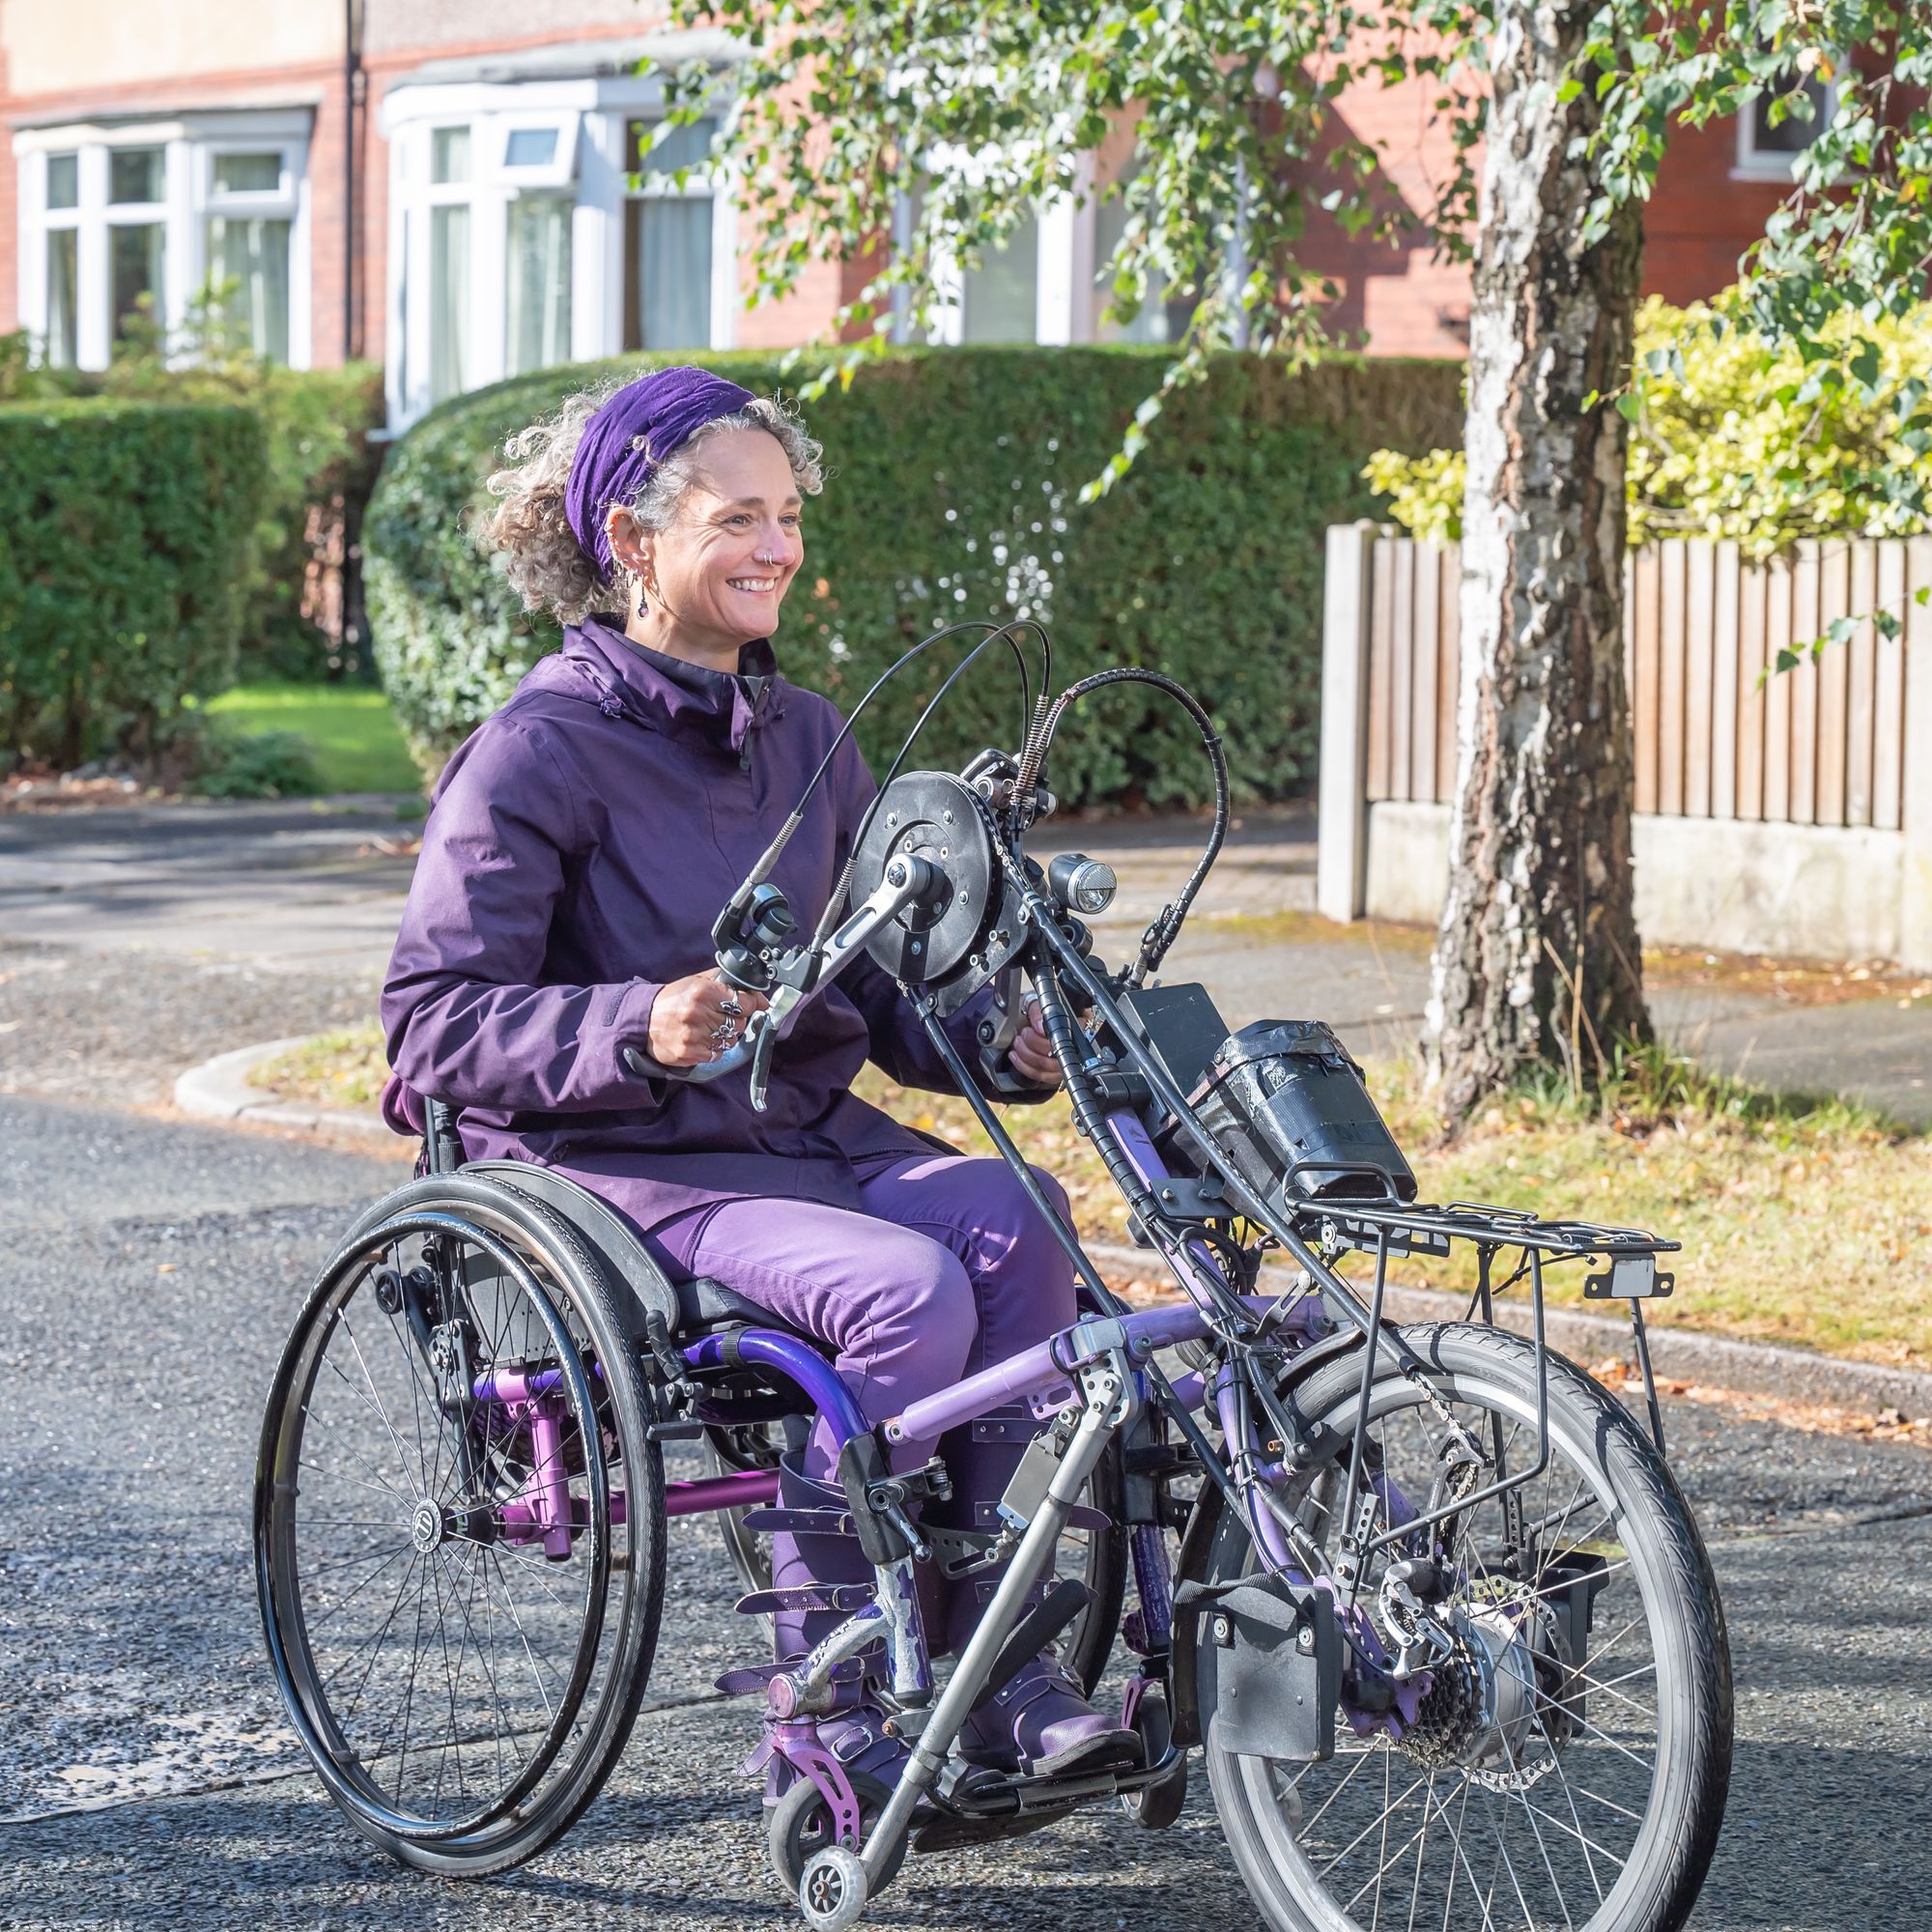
point(1081, 884)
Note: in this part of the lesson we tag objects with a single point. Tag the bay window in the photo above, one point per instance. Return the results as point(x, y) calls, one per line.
point(116, 217)
point(533, 222)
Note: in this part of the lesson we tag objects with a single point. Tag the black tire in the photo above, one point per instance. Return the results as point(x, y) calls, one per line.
point(534, 1303)
point(799, 1826)
point(1653, 1580)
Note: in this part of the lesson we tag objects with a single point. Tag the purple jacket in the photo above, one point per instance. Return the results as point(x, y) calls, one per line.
point(578, 848)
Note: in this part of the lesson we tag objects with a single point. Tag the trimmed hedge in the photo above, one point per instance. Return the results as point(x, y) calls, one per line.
point(127, 541)
point(953, 492)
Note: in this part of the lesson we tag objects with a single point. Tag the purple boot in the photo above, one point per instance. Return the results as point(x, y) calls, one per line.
point(854, 1730)
point(1038, 1721)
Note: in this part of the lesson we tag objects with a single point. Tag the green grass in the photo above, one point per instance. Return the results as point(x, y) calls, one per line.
point(358, 744)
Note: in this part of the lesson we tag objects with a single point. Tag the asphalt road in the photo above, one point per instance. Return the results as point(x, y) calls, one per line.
point(147, 1271)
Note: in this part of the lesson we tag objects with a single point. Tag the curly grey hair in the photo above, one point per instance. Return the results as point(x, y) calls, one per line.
point(541, 557)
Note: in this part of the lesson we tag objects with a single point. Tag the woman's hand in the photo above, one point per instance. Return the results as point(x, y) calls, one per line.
point(1031, 1053)
point(697, 1019)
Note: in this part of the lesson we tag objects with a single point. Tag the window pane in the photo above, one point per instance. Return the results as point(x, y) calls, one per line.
point(63, 346)
point(63, 181)
point(683, 147)
point(1158, 321)
point(448, 300)
point(668, 272)
point(1000, 300)
point(248, 174)
point(134, 257)
point(449, 155)
point(537, 322)
point(530, 148)
point(134, 175)
point(1791, 135)
point(253, 255)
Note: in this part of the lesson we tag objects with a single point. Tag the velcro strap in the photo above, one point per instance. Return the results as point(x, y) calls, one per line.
point(1259, 1599)
point(847, 1596)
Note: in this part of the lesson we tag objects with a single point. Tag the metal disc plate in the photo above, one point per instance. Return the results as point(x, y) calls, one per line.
point(937, 817)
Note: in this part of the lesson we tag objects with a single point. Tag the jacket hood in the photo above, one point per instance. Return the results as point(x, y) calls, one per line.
point(598, 664)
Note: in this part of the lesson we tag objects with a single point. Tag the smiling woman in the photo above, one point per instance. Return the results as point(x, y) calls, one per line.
point(695, 551)
point(552, 980)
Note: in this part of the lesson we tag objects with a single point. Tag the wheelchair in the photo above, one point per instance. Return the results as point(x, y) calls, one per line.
point(1425, 1601)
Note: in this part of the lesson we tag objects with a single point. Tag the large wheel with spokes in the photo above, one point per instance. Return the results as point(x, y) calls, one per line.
point(459, 1528)
point(1568, 1763)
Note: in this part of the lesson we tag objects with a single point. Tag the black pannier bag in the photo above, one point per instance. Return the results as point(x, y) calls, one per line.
point(1288, 1107)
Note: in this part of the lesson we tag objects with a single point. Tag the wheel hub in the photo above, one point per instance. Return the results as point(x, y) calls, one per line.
point(1481, 1703)
point(427, 1526)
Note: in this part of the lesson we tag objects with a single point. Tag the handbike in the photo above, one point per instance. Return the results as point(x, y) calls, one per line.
point(1426, 1599)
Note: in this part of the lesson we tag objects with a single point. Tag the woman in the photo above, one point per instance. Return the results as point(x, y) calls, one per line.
point(579, 847)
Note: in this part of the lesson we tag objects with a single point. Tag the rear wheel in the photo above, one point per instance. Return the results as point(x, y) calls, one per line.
point(1568, 1764)
point(460, 1529)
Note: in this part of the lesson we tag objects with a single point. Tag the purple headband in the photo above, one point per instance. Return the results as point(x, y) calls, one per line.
point(624, 442)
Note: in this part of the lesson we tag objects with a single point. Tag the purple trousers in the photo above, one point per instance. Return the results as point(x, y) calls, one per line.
point(947, 1267)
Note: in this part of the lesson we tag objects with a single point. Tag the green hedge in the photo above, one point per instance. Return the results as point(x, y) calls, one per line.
point(953, 492)
point(126, 536)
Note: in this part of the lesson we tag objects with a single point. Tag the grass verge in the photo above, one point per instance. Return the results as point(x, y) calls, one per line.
point(358, 744)
point(1805, 1221)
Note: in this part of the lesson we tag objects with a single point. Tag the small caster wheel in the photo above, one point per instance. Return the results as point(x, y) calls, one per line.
point(1155, 1806)
point(800, 1828)
point(831, 1895)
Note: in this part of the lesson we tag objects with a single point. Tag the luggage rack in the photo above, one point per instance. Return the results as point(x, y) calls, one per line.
point(1391, 1228)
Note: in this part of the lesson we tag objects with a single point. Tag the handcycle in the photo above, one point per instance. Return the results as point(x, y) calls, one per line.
point(1426, 1599)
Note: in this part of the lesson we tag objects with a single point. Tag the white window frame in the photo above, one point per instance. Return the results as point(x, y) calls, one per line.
point(1063, 239)
point(187, 141)
point(705, 183)
point(285, 201)
point(1777, 165)
point(1069, 306)
point(559, 171)
point(592, 114)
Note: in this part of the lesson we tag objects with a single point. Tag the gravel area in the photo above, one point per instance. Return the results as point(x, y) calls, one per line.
point(119, 1026)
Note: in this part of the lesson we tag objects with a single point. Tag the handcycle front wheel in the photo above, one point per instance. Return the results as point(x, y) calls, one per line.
point(1569, 1763)
point(459, 1528)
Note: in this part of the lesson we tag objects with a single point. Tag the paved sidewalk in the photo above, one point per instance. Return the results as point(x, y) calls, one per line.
point(246, 905)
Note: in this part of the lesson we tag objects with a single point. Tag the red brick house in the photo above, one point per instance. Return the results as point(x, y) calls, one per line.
point(431, 185)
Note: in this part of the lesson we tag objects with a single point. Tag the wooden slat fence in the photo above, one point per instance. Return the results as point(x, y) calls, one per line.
point(1819, 745)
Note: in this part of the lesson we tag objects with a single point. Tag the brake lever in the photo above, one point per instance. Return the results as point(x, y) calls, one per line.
point(907, 880)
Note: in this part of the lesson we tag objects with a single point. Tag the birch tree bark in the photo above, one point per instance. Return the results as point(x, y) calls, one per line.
point(1537, 958)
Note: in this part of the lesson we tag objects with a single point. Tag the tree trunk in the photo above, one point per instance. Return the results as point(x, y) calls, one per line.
point(1538, 960)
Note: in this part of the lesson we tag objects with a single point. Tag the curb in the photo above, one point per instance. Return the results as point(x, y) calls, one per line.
point(1676, 1355)
point(218, 1090)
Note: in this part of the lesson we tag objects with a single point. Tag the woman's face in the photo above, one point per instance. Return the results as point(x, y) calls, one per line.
point(723, 568)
